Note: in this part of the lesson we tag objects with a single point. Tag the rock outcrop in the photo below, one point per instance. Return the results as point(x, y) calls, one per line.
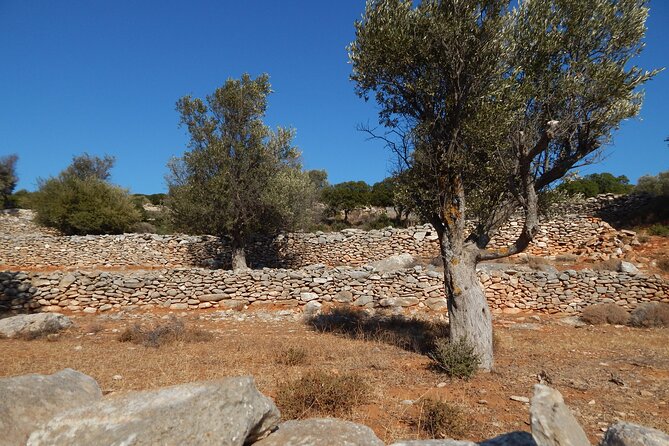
point(33, 325)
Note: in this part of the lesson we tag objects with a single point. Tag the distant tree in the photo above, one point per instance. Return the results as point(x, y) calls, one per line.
point(80, 201)
point(597, 183)
point(8, 179)
point(319, 178)
point(240, 178)
point(657, 185)
point(383, 193)
point(390, 192)
point(488, 103)
point(347, 196)
point(87, 166)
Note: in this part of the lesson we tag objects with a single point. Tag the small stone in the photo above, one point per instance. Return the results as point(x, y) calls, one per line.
point(520, 399)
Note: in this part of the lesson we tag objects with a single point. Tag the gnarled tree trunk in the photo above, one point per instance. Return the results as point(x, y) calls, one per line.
point(238, 256)
point(468, 311)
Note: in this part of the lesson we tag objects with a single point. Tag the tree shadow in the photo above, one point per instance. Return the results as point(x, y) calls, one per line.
point(408, 333)
point(628, 211)
point(16, 290)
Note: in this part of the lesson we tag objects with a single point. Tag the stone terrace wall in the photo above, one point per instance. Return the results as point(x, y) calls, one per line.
point(182, 289)
point(572, 230)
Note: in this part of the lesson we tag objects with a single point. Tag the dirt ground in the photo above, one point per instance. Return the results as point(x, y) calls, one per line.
point(605, 373)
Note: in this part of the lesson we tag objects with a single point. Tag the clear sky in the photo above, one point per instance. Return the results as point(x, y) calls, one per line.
point(103, 76)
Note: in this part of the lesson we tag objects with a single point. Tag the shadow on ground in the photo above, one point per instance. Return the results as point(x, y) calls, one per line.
point(409, 333)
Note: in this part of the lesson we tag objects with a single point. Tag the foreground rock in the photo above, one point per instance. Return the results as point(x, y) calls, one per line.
point(33, 325)
point(552, 422)
point(228, 412)
point(510, 439)
point(627, 434)
point(321, 432)
point(28, 401)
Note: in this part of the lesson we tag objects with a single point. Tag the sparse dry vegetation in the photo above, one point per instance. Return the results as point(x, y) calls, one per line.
point(650, 315)
point(292, 356)
point(157, 335)
point(606, 313)
point(321, 394)
point(440, 419)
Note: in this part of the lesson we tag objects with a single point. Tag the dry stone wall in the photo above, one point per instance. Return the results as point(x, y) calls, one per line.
point(414, 288)
point(573, 229)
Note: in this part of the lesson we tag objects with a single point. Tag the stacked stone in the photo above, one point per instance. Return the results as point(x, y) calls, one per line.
point(417, 287)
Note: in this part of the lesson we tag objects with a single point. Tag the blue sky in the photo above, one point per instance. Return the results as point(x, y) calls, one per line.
point(103, 77)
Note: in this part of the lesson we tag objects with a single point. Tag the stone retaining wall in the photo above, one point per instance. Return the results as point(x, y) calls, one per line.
point(572, 230)
point(182, 289)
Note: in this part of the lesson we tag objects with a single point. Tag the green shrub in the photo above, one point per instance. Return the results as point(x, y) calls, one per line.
point(321, 394)
point(84, 206)
point(456, 359)
point(439, 419)
point(659, 229)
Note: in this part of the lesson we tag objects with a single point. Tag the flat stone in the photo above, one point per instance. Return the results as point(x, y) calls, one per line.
point(321, 432)
point(33, 325)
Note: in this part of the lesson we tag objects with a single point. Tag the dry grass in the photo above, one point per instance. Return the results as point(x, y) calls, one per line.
point(440, 419)
point(607, 313)
point(585, 356)
point(663, 264)
point(157, 335)
point(607, 265)
point(292, 356)
point(650, 315)
point(321, 394)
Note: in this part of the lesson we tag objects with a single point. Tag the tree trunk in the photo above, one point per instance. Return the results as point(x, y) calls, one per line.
point(238, 256)
point(468, 311)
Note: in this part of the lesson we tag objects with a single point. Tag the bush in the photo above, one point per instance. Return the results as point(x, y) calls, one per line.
point(439, 419)
point(174, 330)
point(292, 356)
point(456, 359)
point(143, 227)
point(659, 230)
point(321, 394)
point(607, 313)
point(650, 314)
point(663, 264)
point(84, 206)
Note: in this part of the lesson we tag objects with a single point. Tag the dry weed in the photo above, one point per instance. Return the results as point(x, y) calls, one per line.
point(650, 314)
point(439, 419)
point(292, 356)
point(173, 330)
point(607, 313)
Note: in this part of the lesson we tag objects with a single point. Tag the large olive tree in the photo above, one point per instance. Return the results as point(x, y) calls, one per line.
point(240, 177)
point(487, 104)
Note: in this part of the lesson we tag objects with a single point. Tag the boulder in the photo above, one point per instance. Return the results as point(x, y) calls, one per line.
point(321, 432)
point(517, 438)
point(393, 263)
point(445, 442)
point(627, 267)
point(33, 325)
point(312, 308)
point(627, 434)
point(28, 401)
point(552, 422)
point(230, 412)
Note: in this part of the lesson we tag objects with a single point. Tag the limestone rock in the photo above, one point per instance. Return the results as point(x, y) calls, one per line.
point(230, 412)
point(552, 422)
point(627, 434)
point(446, 442)
point(33, 324)
point(321, 432)
point(518, 438)
point(627, 267)
point(28, 401)
point(393, 263)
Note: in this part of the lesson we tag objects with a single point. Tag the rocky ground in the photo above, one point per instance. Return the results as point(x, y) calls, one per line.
point(606, 373)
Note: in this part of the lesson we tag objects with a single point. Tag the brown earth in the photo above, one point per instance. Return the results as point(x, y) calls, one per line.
point(605, 373)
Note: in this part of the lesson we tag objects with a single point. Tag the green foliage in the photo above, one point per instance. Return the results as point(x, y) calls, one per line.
point(347, 196)
point(659, 230)
point(383, 193)
point(240, 177)
point(22, 199)
point(80, 202)
point(456, 359)
point(8, 179)
point(87, 166)
point(657, 185)
point(319, 178)
point(595, 184)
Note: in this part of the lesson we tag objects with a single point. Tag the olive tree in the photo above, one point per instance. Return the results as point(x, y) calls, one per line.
point(347, 196)
point(487, 104)
point(8, 179)
point(239, 178)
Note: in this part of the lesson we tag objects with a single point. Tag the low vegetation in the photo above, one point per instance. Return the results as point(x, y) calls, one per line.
point(456, 359)
point(157, 335)
point(606, 313)
point(292, 356)
point(650, 315)
point(440, 419)
point(321, 394)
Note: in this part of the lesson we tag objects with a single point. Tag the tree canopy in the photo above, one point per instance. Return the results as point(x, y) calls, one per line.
point(80, 200)
point(8, 179)
point(347, 196)
point(597, 183)
point(487, 103)
point(239, 177)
